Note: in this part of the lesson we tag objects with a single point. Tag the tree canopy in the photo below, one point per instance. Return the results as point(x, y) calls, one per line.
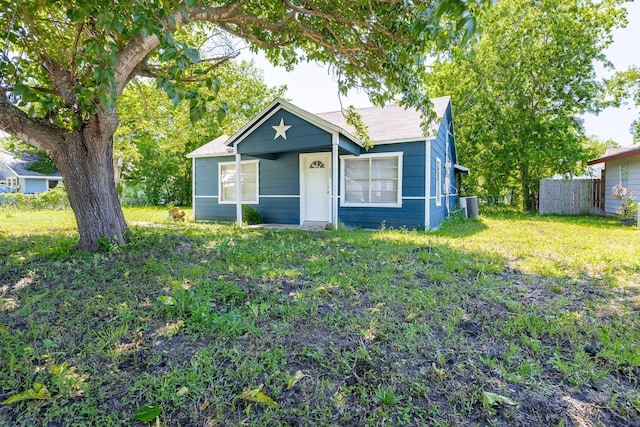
point(154, 135)
point(64, 64)
point(518, 91)
point(624, 87)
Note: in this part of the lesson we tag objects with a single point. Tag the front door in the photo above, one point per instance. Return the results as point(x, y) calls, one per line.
point(315, 195)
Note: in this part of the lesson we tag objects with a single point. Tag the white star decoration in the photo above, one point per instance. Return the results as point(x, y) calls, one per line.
point(281, 130)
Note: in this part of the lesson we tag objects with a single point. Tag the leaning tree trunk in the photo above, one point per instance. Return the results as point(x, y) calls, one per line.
point(86, 164)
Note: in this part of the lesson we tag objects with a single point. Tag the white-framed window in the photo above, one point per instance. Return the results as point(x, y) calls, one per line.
point(624, 174)
point(438, 181)
point(12, 182)
point(372, 180)
point(248, 181)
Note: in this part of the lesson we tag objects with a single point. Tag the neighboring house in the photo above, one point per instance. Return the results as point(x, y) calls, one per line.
point(14, 173)
point(302, 168)
point(621, 167)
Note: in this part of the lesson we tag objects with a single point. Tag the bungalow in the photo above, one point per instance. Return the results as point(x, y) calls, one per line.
point(15, 173)
point(621, 167)
point(302, 168)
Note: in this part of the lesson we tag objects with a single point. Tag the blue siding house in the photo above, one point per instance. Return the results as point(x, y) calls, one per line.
point(15, 173)
point(300, 168)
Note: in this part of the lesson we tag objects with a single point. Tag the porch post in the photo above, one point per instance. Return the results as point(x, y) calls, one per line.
point(238, 191)
point(334, 180)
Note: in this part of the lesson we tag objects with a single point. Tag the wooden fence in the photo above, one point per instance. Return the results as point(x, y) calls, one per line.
point(571, 197)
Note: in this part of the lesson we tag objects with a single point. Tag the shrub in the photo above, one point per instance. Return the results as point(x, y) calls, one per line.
point(251, 216)
point(628, 209)
point(55, 198)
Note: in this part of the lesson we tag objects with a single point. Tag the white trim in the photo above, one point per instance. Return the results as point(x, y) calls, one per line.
point(193, 189)
point(335, 144)
point(438, 181)
point(303, 174)
point(413, 198)
point(206, 197)
point(238, 188)
point(397, 154)
point(427, 184)
point(420, 138)
point(221, 193)
point(51, 177)
point(204, 156)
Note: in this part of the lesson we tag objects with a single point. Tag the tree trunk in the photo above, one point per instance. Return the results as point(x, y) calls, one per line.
point(86, 164)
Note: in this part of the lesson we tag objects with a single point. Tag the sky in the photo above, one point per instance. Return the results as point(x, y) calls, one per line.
point(312, 88)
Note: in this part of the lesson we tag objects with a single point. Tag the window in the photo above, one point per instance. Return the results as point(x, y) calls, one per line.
point(52, 183)
point(624, 175)
point(372, 180)
point(438, 182)
point(248, 181)
point(12, 182)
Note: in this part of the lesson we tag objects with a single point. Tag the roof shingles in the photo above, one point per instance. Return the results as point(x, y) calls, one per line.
point(385, 124)
point(19, 164)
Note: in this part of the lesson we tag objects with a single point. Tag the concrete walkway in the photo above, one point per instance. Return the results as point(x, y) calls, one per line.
point(306, 227)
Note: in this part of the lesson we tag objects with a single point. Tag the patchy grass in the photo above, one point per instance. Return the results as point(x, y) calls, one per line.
point(506, 320)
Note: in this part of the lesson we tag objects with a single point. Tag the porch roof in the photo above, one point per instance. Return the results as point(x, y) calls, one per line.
point(616, 154)
point(217, 147)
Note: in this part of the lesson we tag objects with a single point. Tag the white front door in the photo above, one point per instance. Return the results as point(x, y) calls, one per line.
point(315, 189)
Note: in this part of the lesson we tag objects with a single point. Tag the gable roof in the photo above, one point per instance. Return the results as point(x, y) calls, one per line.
point(391, 122)
point(385, 124)
point(280, 104)
point(616, 154)
point(18, 164)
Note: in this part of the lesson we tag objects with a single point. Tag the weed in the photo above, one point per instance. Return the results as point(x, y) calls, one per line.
point(394, 327)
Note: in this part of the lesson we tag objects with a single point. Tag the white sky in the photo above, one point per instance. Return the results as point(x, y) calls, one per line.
point(311, 86)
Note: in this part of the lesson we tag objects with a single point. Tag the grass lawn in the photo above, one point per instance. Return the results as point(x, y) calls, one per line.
point(505, 320)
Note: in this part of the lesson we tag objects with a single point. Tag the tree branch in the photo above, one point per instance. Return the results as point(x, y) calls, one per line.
point(34, 132)
point(139, 47)
point(61, 79)
point(146, 70)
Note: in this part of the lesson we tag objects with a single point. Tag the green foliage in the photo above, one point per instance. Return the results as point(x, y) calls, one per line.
point(518, 91)
point(373, 49)
point(65, 65)
point(624, 87)
point(354, 119)
point(147, 413)
point(39, 392)
point(628, 209)
point(56, 199)
point(45, 167)
point(251, 216)
point(490, 400)
point(155, 135)
point(261, 327)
